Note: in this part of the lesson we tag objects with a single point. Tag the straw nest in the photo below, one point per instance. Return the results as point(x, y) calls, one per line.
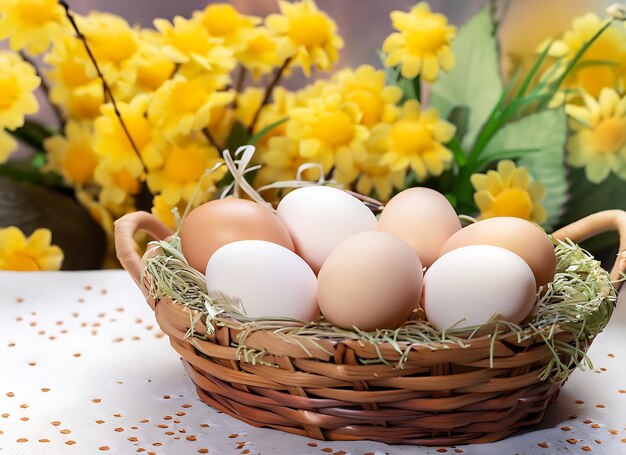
point(579, 301)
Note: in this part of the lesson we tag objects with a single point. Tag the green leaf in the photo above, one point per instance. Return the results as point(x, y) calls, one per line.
point(459, 155)
point(32, 133)
point(256, 137)
point(475, 81)
point(237, 137)
point(547, 132)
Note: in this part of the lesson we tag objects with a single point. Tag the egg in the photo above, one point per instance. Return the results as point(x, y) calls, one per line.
point(219, 222)
point(270, 280)
point(421, 217)
point(469, 285)
point(319, 218)
point(372, 280)
point(522, 237)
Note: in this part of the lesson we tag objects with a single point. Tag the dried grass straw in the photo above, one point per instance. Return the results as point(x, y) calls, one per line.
point(579, 301)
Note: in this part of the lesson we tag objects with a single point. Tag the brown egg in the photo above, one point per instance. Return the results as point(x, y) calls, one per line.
point(522, 237)
point(421, 217)
point(216, 223)
point(372, 280)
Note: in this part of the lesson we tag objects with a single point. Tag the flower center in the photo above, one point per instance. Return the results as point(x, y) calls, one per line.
point(79, 163)
point(126, 182)
point(310, 30)
point(185, 164)
point(411, 138)
point(429, 38)
point(369, 104)
point(512, 202)
point(260, 45)
point(37, 12)
point(335, 128)
point(188, 96)
point(9, 91)
point(594, 78)
point(220, 19)
point(609, 136)
point(24, 263)
point(72, 73)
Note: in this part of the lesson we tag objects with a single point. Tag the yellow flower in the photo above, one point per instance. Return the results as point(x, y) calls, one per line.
point(144, 72)
point(182, 105)
point(31, 24)
point(111, 40)
point(258, 52)
point(163, 211)
point(325, 127)
point(112, 145)
point(416, 140)
point(224, 21)
point(18, 81)
point(599, 140)
point(184, 162)
point(117, 189)
point(281, 161)
point(72, 155)
point(188, 41)
point(603, 64)
point(78, 92)
point(306, 34)
point(7, 146)
point(366, 167)
point(283, 101)
point(422, 46)
point(28, 254)
point(509, 191)
point(365, 86)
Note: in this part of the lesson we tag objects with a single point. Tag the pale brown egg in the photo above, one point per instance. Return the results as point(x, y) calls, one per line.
point(522, 237)
point(217, 223)
point(372, 280)
point(423, 218)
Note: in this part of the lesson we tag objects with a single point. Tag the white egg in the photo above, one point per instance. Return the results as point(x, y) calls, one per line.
point(469, 285)
point(269, 279)
point(319, 218)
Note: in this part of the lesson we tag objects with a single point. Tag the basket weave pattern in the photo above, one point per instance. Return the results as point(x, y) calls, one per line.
point(323, 390)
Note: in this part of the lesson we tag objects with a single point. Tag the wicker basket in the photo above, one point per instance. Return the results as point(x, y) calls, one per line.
point(441, 397)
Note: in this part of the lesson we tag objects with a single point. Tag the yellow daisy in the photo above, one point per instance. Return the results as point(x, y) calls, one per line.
point(283, 101)
point(306, 34)
point(72, 155)
point(224, 21)
point(163, 211)
point(366, 169)
point(603, 64)
point(31, 24)
point(509, 191)
point(183, 105)
point(599, 140)
point(117, 188)
point(258, 52)
point(144, 72)
point(417, 139)
point(7, 146)
point(325, 127)
point(185, 160)
point(28, 254)
point(112, 146)
point(72, 86)
point(422, 46)
point(281, 161)
point(187, 40)
point(365, 86)
point(18, 81)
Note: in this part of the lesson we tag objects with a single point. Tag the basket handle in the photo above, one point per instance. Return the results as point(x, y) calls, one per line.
point(125, 246)
point(608, 220)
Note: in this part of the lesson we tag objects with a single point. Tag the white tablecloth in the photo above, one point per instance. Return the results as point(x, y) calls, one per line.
point(84, 369)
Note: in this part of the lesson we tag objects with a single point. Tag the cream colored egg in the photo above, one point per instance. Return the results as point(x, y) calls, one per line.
point(423, 218)
point(469, 285)
point(519, 236)
point(269, 279)
point(372, 280)
point(319, 218)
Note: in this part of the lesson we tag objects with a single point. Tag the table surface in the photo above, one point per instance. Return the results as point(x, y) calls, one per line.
point(86, 370)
